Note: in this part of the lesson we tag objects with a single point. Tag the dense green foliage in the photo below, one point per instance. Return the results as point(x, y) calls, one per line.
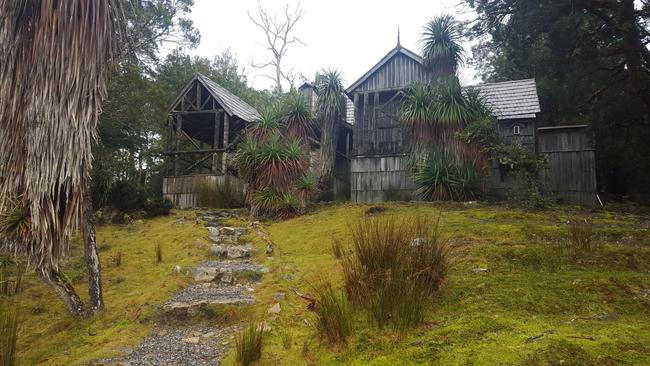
point(592, 65)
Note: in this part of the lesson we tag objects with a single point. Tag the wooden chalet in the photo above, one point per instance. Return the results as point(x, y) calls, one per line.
point(378, 158)
point(204, 122)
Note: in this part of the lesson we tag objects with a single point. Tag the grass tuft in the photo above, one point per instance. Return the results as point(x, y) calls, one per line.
point(334, 313)
point(159, 253)
point(398, 264)
point(10, 281)
point(249, 345)
point(116, 259)
point(337, 248)
point(581, 241)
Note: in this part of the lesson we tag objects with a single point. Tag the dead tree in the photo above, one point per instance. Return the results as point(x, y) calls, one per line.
point(278, 32)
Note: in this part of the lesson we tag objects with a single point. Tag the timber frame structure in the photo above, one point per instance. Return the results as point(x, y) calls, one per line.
point(204, 122)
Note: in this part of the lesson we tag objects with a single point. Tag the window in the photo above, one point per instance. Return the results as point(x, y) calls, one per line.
point(516, 130)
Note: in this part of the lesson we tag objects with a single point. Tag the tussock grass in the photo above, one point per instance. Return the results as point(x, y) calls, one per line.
point(159, 253)
point(581, 237)
point(397, 266)
point(334, 313)
point(116, 259)
point(10, 283)
point(337, 248)
point(248, 345)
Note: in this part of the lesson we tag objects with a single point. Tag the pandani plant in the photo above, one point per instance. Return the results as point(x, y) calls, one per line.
point(56, 60)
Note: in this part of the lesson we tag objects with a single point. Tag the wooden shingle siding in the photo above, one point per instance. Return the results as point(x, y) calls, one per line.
point(373, 177)
point(571, 173)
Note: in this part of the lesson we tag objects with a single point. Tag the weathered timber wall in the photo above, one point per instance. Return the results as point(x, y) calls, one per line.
point(571, 173)
point(379, 178)
point(182, 190)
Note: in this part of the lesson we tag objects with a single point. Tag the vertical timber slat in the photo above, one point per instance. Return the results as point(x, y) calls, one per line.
point(226, 128)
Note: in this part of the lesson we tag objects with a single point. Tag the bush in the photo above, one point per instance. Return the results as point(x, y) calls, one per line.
point(334, 314)
point(248, 345)
point(219, 195)
point(158, 206)
point(127, 196)
point(581, 239)
point(440, 176)
point(397, 265)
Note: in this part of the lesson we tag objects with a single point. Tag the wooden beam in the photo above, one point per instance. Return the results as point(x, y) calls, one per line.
point(199, 102)
point(215, 142)
point(170, 136)
point(366, 125)
point(196, 164)
point(204, 111)
point(375, 111)
point(204, 151)
point(190, 139)
point(226, 132)
point(179, 127)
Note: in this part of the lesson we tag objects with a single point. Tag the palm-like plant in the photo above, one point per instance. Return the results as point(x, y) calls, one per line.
point(268, 124)
point(417, 113)
point(297, 119)
point(440, 45)
point(56, 57)
point(331, 110)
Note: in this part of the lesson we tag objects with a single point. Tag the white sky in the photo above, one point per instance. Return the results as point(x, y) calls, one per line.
point(351, 35)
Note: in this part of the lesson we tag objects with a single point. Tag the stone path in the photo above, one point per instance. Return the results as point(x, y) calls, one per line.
point(225, 279)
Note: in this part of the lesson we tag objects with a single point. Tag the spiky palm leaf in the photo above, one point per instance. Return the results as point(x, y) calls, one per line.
point(441, 175)
point(56, 57)
point(268, 123)
point(417, 114)
point(440, 45)
point(297, 120)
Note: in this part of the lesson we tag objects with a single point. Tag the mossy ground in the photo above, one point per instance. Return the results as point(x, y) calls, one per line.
point(133, 291)
point(586, 313)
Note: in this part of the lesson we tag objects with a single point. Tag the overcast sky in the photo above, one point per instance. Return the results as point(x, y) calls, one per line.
point(350, 35)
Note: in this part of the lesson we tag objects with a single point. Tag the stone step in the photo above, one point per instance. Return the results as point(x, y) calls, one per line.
point(232, 251)
point(226, 271)
point(226, 234)
point(200, 295)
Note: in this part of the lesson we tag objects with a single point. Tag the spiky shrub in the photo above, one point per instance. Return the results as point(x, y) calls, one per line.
point(269, 122)
point(334, 313)
point(417, 114)
point(440, 45)
point(248, 345)
point(439, 175)
point(306, 188)
point(297, 119)
point(581, 241)
point(396, 268)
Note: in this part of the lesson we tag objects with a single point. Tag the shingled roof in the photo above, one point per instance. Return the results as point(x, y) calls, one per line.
point(515, 99)
point(232, 104)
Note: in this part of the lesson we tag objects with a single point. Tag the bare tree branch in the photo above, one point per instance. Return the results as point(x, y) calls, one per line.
point(279, 36)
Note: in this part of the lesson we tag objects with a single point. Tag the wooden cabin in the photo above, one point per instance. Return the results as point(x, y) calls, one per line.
point(204, 122)
point(378, 159)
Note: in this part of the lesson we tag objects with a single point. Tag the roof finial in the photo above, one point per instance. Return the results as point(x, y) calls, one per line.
point(398, 42)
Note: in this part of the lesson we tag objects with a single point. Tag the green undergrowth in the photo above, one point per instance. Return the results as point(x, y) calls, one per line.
point(513, 297)
point(134, 287)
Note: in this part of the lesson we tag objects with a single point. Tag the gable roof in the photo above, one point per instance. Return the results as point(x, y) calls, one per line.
point(515, 99)
point(232, 104)
point(395, 52)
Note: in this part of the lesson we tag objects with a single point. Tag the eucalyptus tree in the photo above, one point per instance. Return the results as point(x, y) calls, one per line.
point(57, 57)
point(331, 106)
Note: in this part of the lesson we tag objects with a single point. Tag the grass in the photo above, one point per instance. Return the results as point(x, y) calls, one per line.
point(530, 288)
point(49, 336)
point(248, 345)
point(159, 253)
point(10, 287)
point(334, 313)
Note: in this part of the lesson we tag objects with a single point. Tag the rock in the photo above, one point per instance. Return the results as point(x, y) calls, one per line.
point(192, 340)
point(280, 296)
point(219, 250)
point(479, 270)
point(269, 249)
point(206, 274)
point(307, 322)
point(180, 221)
point(228, 277)
point(274, 309)
point(227, 230)
point(177, 269)
point(416, 242)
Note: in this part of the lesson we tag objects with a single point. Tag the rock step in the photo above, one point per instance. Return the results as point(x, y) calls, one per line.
point(226, 234)
point(232, 251)
point(202, 294)
point(226, 271)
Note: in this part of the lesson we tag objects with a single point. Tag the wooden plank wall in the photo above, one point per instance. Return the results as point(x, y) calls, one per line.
point(373, 178)
point(571, 173)
point(181, 190)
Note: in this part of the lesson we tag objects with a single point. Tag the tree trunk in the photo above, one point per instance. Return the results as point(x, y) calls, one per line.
point(63, 290)
point(91, 255)
point(633, 49)
point(328, 139)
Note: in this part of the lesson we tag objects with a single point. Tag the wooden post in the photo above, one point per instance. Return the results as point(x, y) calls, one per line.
point(226, 132)
point(366, 123)
point(215, 143)
point(170, 136)
point(357, 119)
point(179, 130)
point(375, 111)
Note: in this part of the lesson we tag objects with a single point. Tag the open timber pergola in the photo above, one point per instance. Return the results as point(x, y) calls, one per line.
point(204, 121)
